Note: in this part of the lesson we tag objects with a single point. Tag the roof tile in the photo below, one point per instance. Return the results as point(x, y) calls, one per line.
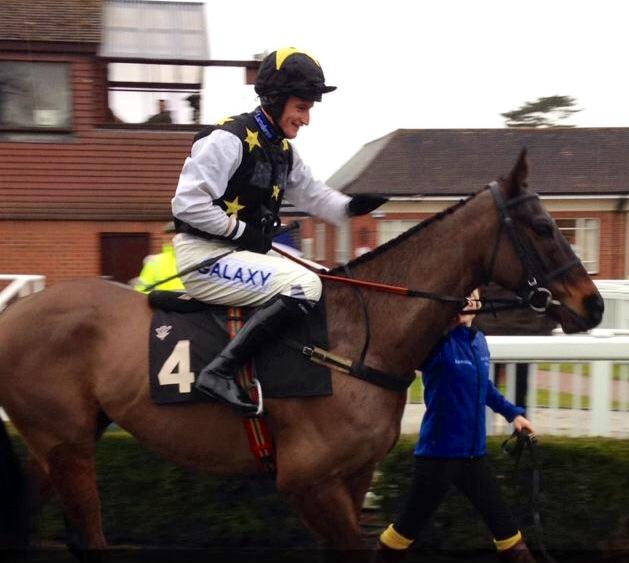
point(461, 161)
point(73, 21)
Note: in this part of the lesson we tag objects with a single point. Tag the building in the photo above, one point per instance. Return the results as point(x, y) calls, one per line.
point(581, 174)
point(85, 192)
point(88, 163)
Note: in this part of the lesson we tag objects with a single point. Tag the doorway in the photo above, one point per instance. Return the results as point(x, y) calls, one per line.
point(122, 255)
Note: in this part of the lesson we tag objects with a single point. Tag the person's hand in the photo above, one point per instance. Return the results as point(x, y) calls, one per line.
point(361, 204)
point(520, 423)
point(254, 239)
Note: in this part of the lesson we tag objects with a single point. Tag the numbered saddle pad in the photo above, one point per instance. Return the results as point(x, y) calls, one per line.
point(182, 344)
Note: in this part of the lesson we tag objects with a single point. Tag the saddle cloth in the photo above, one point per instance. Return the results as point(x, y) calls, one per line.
point(187, 334)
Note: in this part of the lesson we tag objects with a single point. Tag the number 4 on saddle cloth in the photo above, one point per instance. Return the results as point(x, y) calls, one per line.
point(187, 334)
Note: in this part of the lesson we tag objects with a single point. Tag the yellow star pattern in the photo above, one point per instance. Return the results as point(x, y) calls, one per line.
point(224, 120)
point(233, 207)
point(276, 192)
point(252, 139)
point(285, 144)
point(282, 54)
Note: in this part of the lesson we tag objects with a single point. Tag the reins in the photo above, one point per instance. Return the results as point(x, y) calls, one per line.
point(514, 446)
point(489, 305)
point(532, 295)
point(375, 286)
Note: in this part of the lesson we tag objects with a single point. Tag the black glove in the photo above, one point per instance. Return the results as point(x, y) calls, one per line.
point(361, 204)
point(254, 239)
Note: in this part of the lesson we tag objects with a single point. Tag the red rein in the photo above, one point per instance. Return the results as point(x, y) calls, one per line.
point(348, 281)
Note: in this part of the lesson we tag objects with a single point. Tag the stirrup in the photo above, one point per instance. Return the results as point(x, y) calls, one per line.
point(256, 384)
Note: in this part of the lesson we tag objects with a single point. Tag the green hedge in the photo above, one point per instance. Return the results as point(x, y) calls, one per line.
point(149, 501)
point(584, 504)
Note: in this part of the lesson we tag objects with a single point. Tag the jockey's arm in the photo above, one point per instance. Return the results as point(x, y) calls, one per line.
point(212, 162)
point(313, 196)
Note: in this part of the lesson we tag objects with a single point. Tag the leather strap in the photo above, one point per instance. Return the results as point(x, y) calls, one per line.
point(258, 434)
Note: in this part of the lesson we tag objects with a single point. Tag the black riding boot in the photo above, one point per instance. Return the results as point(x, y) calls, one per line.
point(218, 379)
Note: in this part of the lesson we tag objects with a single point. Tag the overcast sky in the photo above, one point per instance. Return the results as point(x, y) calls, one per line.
point(428, 64)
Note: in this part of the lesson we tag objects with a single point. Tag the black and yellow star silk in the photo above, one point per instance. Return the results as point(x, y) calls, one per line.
point(252, 139)
point(233, 207)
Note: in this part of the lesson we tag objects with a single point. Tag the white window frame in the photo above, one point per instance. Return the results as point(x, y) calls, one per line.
point(587, 237)
point(306, 248)
point(390, 228)
point(343, 243)
point(320, 240)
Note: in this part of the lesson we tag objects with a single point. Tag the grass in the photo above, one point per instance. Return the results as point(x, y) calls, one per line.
point(567, 368)
point(416, 392)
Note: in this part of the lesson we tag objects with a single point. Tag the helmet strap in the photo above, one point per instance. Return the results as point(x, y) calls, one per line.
point(270, 131)
point(274, 107)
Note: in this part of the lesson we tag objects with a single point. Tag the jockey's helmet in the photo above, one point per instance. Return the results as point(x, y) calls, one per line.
point(289, 72)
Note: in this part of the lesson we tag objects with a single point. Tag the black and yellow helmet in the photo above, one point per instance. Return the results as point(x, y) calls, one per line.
point(291, 72)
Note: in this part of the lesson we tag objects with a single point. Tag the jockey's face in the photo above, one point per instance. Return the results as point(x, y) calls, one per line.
point(296, 113)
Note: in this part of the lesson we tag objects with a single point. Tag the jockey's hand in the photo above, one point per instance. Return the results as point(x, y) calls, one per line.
point(361, 204)
point(520, 423)
point(254, 239)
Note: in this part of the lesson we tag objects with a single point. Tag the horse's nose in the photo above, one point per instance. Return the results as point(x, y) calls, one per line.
point(595, 306)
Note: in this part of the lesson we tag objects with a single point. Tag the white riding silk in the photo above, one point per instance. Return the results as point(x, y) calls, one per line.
point(241, 278)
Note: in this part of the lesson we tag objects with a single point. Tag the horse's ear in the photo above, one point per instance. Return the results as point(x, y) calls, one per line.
point(517, 178)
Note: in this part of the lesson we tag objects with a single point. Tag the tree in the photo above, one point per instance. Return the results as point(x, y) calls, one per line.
point(544, 112)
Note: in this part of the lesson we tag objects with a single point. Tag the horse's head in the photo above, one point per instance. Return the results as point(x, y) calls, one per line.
point(532, 257)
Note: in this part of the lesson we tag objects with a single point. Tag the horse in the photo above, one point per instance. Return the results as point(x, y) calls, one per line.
point(74, 357)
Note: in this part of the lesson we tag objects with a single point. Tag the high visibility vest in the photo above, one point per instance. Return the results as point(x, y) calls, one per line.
point(159, 267)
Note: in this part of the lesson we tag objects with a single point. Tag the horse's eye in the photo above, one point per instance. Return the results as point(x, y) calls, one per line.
point(544, 229)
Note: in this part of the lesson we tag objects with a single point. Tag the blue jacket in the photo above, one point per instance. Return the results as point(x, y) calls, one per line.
point(456, 390)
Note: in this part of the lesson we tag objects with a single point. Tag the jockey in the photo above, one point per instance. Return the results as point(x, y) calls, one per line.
point(227, 206)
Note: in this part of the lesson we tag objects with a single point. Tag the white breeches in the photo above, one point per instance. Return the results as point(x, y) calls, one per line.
point(241, 278)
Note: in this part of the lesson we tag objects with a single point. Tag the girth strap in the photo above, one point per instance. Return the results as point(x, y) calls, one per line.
point(260, 440)
point(359, 370)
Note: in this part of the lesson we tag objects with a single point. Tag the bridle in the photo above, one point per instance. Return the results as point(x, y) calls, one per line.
point(535, 292)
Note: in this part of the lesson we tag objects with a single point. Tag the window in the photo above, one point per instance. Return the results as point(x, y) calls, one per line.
point(343, 241)
point(583, 235)
point(320, 241)
point(388, 230)
point(306, 248)
point(146, 93)
point(35, 95)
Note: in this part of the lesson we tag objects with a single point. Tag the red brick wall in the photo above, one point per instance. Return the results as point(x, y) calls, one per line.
point(611, 249)
point(62, 250)
point(93, 173)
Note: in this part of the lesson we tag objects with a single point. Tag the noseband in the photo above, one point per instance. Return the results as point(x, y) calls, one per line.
point(538, 297)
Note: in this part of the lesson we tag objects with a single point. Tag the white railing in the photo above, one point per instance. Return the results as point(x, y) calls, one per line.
point(616, 296)
point(19, 286)
point(578, 385)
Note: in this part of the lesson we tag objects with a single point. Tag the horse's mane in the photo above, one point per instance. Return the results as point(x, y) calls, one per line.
point(397, 240)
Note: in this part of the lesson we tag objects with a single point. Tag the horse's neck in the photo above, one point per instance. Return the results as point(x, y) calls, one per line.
point(444, 258)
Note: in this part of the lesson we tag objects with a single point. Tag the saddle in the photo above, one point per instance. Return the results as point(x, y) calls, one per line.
point(186, 334)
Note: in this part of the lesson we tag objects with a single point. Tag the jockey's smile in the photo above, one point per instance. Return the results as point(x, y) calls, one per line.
point(296, 113)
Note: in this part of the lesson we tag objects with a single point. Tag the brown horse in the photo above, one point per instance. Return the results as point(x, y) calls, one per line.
point(79, 349)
